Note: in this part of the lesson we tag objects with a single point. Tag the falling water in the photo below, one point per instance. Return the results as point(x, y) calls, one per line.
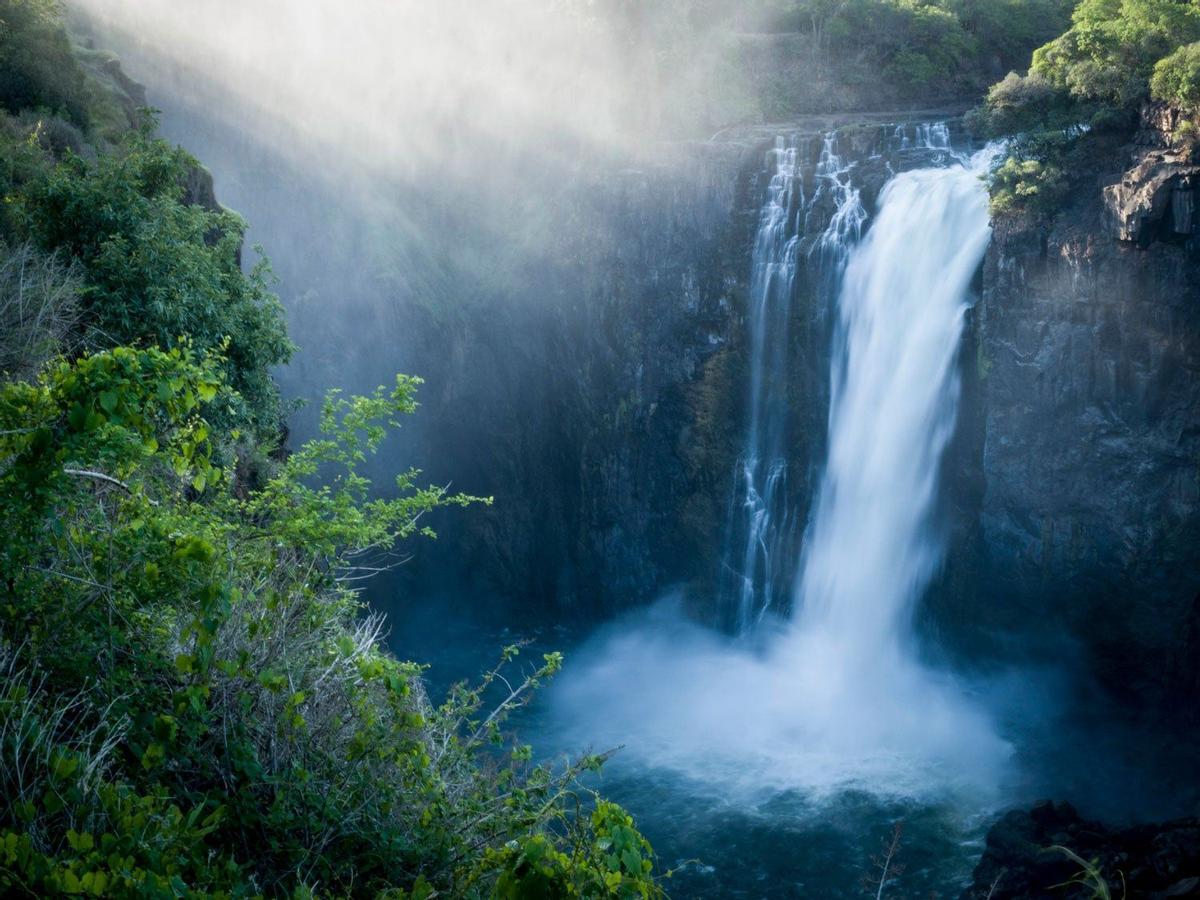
point(762, 475)
point(837, 698)
point(800, 233)
point(759, 561)
point(870, 551)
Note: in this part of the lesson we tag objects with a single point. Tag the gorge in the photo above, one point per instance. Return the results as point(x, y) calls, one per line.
point(841, 432)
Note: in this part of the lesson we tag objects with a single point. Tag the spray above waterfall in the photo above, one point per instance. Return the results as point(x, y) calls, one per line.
point(835, 697)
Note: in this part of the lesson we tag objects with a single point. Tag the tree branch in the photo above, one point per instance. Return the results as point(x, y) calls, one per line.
point(107, 479)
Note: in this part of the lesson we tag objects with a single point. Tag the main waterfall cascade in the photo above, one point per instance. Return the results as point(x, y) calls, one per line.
point(761, 549)
point(869, 551)
point(833, 697)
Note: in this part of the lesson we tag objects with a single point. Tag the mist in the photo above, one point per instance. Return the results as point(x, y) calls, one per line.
point(392, 89)
point(747, 720)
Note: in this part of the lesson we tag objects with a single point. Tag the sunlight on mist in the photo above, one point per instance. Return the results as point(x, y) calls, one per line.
point(396, 86)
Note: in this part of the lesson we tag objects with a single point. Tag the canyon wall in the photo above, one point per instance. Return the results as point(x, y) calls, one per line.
point(1078, 464)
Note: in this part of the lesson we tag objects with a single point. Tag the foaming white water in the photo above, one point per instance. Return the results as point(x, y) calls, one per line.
point(870, 552)
point(836, 699)
point(745, 723)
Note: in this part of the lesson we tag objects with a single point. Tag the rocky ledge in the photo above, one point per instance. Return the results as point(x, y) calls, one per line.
point(1051, 851)
point(1155, 199)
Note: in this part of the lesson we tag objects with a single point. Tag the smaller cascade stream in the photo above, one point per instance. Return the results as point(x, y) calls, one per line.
point(759, 558)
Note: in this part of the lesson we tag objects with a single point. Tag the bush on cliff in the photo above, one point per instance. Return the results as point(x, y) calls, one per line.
point(155, 267)
point(193, 699)
point(1093, 77)
point(1176, 81)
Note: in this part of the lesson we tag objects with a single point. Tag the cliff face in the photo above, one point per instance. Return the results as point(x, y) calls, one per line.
point(1082, 425)
point(605, 409)
point(600, 408)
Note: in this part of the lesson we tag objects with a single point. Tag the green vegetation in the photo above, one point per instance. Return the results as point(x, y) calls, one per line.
point(193, 699)
point(1090, 877)
point(1176, 81)
point(155, 267)
point(1027, 184)
point(1112, 46)
point(37, 67)
point(1115, 56)
point(940, 46)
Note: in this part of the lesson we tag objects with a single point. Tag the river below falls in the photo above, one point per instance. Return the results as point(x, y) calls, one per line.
point(783, 759)
point(733, 828)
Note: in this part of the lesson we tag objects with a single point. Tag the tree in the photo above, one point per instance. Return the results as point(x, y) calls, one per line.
point(156, 268)
point(1176, 78)
point(1111, 48)
point(192, 697)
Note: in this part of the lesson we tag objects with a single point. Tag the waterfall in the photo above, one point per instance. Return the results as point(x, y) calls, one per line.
point(871, 547)
point(762, 469)
point(802, 235)
point(836, 698)
point(870, 550)
point(759, 557)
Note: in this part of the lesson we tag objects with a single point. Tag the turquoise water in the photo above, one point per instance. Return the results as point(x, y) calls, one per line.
point(722, 837)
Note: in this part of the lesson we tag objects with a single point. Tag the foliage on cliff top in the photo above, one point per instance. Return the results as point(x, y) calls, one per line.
point(1176, 79)
point(1113, 58)
point(1112, 46)
point(148, 263)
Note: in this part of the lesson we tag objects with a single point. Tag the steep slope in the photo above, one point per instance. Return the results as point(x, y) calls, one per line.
point(1083, 423)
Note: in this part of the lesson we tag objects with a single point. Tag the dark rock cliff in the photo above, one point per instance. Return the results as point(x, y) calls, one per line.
point(601, 411)
point(1080, 435)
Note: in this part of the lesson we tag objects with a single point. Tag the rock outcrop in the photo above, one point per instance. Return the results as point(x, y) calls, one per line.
point(1050, 851)
point(1155, 199)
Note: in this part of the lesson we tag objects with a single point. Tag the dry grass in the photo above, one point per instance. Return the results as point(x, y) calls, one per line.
point(39, 309)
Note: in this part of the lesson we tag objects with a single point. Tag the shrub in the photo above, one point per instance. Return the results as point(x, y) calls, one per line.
point(39, 308)
point(193, 700)
point(1023, 104)
point(1176, 78)
point(200, 654)
point(1027, 186)
point(38, 69)
point(156, 268)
